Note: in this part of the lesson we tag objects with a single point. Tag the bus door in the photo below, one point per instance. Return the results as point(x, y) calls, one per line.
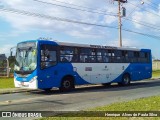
point(48, 59)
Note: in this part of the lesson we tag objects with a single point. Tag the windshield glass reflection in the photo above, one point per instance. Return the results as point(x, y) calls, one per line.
point(26, 58)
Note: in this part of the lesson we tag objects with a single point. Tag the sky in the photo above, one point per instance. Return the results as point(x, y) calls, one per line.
point(48, 19)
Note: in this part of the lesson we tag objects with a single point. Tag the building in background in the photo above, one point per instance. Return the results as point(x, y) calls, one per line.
point(156, 65)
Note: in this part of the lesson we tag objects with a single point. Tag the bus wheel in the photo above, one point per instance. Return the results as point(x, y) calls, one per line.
point(67, 84)
point(125, 80)
point(47, 90)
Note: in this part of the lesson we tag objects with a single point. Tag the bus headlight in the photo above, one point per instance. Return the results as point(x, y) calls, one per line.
point(33, 79)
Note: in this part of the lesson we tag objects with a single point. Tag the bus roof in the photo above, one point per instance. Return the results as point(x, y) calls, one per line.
point(99, 46)
point(86, 45)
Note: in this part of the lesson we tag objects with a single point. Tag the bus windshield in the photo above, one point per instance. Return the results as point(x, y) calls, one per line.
point(26, 58)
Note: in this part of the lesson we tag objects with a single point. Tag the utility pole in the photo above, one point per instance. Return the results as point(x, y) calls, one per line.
point(119, 19)
point(8, 69)
point(119, 23)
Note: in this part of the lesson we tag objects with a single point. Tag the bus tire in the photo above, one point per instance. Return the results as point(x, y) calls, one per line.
point(47, 90)
point(125, 80)
point(67, 84)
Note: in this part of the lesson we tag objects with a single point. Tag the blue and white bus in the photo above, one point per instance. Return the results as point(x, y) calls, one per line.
point(45, 64)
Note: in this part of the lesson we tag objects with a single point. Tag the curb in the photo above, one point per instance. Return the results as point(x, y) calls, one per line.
point(155, 78)
point(10, 91)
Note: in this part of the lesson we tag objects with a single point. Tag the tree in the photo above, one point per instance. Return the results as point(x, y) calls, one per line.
point(11, 62)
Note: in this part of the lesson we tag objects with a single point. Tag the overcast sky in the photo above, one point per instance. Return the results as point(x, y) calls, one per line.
point(141, 17)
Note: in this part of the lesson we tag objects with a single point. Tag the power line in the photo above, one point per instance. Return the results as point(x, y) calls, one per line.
point(22, 12)
point(146, 10)
point(141, 23)
point(152, 36)
point(131, 12)
point(134, 9)
point(155, 4)
point(49, 3)
point(81, 6)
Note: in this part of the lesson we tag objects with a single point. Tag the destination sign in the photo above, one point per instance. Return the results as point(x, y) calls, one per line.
point(106, 47)
point(26, 44)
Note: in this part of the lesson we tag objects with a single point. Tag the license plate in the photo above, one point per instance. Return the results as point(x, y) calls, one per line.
point(22, 83)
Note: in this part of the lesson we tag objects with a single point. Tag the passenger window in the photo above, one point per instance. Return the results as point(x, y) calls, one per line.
point(68, 54)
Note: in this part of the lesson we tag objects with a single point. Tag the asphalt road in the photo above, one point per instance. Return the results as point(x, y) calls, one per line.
point(80, 99)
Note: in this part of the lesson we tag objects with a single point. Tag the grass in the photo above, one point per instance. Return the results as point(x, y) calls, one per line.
point(143, 104)
point(6, 83)
point(156, 73)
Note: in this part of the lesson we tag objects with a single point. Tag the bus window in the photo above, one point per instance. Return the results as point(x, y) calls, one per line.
point(117, 55)
point(125, 58)
point(136, 56)
point(48, 56)
point(92, 56)
point(144, 57)
point(147, 57)
point(84, 55)
point(84, 58)
point(88, 55)
point(110, 54)
point(102, 56)
point(68, 54)
point(131, 57)
point(75, 57)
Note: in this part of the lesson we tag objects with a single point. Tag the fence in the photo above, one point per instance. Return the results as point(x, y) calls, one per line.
point(3, 72)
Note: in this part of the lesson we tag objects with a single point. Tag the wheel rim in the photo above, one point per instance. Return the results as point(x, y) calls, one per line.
point(126, 80)
point(66, 84)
